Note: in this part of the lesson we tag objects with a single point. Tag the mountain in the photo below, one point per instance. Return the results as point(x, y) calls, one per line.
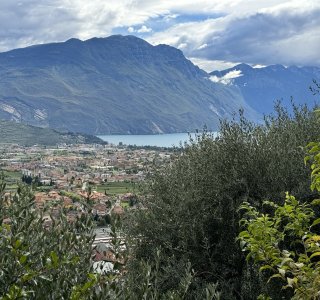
point(261, 87)
point(26, 135)
point(118, 84)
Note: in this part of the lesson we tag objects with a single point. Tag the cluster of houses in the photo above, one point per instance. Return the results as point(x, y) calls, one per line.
point(62, 175)
point(69, 166)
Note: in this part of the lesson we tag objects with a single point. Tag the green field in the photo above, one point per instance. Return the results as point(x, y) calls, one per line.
point(116, 188)
point(11, 179)
point(11, 175)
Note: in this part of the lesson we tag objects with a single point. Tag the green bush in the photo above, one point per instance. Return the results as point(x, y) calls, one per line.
point(190, 211)
point(285, 242)
point(53, 261)
point(285, 245)
point(38, 261)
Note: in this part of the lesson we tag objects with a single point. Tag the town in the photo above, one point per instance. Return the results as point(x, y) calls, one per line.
point(107, 175)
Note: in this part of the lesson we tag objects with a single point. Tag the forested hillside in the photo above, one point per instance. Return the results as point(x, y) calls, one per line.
point(26, 135)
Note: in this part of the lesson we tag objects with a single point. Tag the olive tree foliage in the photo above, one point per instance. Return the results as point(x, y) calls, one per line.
point(145, 283)
point(286, 242)
point(38, 262)
point(55, 261)
point(190, 211)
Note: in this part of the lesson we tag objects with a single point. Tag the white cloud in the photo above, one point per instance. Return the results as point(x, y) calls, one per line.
point(263, 36)
point(212, 65)
point(258, 66)
point(144, 29)
point(170, 17)
point(205, 45)
point(256, 32)
point(182, 46)
point(227, 78)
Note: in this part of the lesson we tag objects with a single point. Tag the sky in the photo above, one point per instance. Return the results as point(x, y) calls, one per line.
point(214, 34)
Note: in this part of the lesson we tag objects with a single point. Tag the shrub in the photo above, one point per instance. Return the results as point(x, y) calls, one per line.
point(191, 208)
point(38, 261)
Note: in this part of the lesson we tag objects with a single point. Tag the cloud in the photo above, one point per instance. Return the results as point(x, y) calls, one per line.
point(170, 17)
point(210, 65)
point(227, 78)
point(288, 34)
point(25, 23)
point(82, 18)
point(182, 46)
point(203, 46)
point(256, 32)
point(144, 29)
point(258, 66)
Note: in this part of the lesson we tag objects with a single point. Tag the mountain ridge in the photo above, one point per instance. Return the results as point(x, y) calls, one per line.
point(118, 84)
point(261, 87)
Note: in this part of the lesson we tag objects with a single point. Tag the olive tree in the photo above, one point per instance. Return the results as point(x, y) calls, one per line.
point(190, 210)
point(38, 261)
point(285, 241)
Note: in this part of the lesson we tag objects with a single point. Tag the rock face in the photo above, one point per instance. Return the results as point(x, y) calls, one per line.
point(119, 84)
point(261, 87)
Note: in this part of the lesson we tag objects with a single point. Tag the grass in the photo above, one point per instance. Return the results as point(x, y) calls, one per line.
point(116, 188)
point(11, 178)
point(12, 175)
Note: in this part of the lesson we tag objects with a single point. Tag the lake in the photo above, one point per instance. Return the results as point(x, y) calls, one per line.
point(158, 140)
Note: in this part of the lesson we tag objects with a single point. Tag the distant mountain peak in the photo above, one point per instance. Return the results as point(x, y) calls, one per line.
point(117, 84)
point(261, 87)
point(73, 40)
point(242, 66)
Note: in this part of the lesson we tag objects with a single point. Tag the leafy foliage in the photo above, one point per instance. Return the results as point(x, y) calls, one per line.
point(314, 156)
point(286, 242)
point(191, 212)
point(266, 237)
point(39, 261)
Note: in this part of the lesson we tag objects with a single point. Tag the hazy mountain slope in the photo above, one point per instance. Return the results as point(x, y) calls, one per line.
point(260, 87)
point(16, 133)
point(119, 84)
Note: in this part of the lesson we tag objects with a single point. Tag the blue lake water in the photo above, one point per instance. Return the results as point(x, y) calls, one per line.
point(159, 140)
